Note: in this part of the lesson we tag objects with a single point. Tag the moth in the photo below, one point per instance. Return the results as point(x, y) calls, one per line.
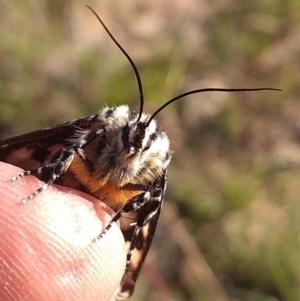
point(119, 156)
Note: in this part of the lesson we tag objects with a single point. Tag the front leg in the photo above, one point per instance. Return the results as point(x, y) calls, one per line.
point(131, 206)
point(147, 205)
point(61, 164)
point(55, 169)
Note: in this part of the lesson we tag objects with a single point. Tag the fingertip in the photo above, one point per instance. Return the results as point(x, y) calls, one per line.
point(47, 248)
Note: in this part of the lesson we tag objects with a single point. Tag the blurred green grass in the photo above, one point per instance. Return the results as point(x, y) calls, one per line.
point(233, 183)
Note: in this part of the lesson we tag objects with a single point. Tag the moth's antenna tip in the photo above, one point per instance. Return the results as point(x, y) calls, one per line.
point(87, 6)
point(209, 90)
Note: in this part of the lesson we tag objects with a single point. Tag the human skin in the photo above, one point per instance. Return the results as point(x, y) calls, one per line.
point(47, 246)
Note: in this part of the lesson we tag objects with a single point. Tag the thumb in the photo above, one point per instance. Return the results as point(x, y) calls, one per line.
point(47, 247)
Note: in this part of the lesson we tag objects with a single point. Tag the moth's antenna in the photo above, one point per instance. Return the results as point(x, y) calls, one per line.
point(136, 72)
point(207, 90)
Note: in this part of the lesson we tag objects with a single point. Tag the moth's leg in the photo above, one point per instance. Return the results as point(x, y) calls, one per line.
point(81, 142)
point(154, 206)
point(57, 168)
point(134, 204)
point(39, 170)
point(61, 164)
point(81, 154)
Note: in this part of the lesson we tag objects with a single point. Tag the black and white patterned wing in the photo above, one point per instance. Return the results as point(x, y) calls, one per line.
point(38, 148)
point(141, 243)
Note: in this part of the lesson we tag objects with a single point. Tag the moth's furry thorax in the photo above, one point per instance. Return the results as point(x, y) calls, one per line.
point(129, 151)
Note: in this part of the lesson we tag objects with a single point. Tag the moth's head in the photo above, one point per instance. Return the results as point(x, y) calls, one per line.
point(146, 145)
point(134, 148)
point(133, 139)
point(143, 137)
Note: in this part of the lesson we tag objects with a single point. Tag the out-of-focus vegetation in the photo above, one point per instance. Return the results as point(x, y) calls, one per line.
point(230, 229)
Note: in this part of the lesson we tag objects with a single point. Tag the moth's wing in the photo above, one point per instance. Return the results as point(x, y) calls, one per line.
point(33, 150)
point(142, 245)
point(139, 254)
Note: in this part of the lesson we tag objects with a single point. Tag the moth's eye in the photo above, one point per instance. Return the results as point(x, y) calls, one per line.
point(153, 137)
point(147, 145)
